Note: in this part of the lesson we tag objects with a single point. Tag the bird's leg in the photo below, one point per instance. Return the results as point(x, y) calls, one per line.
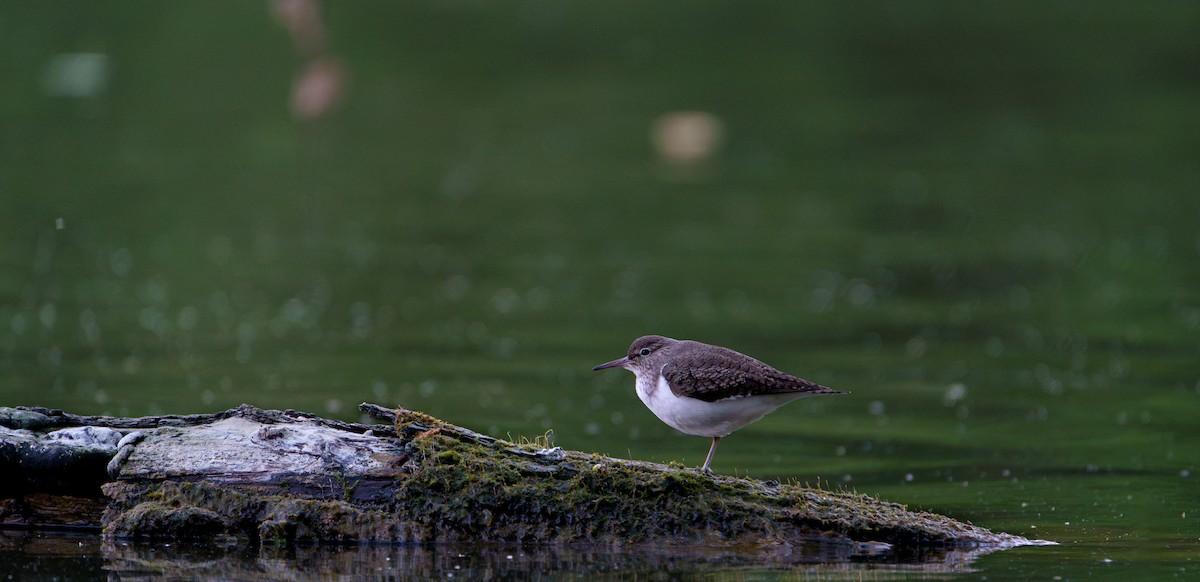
point(711, 450)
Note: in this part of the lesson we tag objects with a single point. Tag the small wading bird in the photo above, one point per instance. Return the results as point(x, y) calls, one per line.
point(707, 390)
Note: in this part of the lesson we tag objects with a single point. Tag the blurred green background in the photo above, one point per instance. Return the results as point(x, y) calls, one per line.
point(980, 218)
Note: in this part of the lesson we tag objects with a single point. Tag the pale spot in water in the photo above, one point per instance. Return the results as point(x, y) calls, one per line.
point(861, 294)
point(77, 75)
point(916, 347)
point(188, 318)
point(505, 301)
point(993, 347)
point(131, 364)
point(503, 347)
point(461, 181)
point(17, 323)
point(48, 315)
point(360, 319)
point(456, 287)
point(538, 410)
point(89, 325)
point(954, 394)
point(687, 137)
point(537, 298)
point(220, 248)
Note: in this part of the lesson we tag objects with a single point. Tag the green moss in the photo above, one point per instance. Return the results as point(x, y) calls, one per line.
point(163, 520)
point(204, 510)
point(482, 494)
point(449, 457)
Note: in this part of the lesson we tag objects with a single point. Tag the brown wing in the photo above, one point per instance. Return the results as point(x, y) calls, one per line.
point(719, 374)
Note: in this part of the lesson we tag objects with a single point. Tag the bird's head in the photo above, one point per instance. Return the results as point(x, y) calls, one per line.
point(640, 355)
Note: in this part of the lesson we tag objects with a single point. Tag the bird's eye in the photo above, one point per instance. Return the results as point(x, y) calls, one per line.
point(644, 352)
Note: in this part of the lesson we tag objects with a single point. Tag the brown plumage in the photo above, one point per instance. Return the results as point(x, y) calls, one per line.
point(707, 390)
point(711, 373)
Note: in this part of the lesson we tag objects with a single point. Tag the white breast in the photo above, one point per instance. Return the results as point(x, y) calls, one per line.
point(697, 417)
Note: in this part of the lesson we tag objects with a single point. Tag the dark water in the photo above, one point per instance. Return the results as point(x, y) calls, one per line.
point(66, 556)
point(978, 218)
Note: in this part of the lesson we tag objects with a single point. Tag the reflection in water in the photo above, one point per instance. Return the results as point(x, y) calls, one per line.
point(68, 556)
point(57, 556)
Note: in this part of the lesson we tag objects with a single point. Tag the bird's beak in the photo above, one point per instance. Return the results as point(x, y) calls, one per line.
point(613, 364)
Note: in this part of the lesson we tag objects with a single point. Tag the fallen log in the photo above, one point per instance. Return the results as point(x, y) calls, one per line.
point(252, 476)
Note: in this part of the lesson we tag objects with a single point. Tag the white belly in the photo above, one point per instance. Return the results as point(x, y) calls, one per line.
point(710, 419)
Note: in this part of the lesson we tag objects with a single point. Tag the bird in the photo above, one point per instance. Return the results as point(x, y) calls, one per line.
point(706, 390)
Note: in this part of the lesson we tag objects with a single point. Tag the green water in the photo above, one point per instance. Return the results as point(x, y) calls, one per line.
point(978, 218)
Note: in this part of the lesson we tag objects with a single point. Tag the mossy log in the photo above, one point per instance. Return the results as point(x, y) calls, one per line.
point(282, 477)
